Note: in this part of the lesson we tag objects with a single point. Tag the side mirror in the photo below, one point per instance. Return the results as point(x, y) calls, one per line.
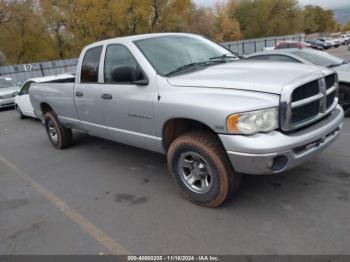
point(128, 74)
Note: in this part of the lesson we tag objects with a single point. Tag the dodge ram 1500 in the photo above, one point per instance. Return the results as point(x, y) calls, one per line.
point(215, 117)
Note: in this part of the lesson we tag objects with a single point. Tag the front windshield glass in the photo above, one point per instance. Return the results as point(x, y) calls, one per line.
point(319, 58)
point(167, 53)
point(7, 82)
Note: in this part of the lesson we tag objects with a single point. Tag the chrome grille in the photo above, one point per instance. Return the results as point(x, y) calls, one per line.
point(309, 102)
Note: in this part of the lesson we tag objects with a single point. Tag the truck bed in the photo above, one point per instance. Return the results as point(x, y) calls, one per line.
point(58, 95)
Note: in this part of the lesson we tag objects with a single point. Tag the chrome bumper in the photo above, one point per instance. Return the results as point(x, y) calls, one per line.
point(276, 152)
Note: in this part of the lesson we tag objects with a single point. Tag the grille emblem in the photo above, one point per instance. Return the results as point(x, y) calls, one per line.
point(323, 91)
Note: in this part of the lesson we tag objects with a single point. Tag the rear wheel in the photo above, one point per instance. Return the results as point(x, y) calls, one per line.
point(201, 169)
point(19, 112)
point(344, 99)
point(59, 136)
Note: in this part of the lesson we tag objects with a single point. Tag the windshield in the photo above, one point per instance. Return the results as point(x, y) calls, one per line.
point(7, 82)
point(319, 58)
point(168, 53)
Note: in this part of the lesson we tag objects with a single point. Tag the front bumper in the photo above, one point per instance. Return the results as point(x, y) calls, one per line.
point(7, 102)
point(276, 152)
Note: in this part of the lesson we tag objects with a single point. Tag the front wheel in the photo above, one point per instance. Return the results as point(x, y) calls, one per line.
point(201, 169)
point(344, 99)
point(59, 136)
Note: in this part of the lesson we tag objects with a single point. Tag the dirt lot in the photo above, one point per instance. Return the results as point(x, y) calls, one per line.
point(101, 197)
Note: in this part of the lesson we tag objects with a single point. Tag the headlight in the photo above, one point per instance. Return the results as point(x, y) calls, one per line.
point(253, 122)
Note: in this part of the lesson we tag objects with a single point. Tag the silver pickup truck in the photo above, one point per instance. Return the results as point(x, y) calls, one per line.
point(215, 116)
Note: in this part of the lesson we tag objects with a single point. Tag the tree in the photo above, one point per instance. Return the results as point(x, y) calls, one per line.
point(170, 15)
point(346, 27)
point(2, 59)
point(4, 12)
point(261, 18)
point(227, 28)
point(24, 37)
point(316, 19)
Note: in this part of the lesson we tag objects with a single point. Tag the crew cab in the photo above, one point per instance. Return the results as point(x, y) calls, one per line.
point(214, 116)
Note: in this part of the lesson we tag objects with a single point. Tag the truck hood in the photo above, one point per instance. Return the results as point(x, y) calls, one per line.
point(251, 76)
point(8, 90)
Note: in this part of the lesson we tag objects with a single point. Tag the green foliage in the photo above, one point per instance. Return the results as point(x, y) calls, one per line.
point(260, 18)
point(59, 29)
point(317, 19)
point(346, 27)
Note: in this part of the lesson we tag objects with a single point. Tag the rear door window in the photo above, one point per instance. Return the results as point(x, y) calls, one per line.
point(90, 66)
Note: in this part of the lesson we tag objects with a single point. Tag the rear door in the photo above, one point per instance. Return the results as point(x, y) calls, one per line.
point(87, 94)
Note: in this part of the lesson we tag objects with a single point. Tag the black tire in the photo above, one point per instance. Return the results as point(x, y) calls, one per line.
point(19, 112)
point(59, 136)
point(344, 99)
point(223, 179)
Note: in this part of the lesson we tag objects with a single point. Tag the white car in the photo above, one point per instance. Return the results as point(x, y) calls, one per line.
point(23, 105)
point(332, 42)
point(344, 39)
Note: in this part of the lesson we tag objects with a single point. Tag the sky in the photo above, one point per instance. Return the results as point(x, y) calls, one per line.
point(330, 4)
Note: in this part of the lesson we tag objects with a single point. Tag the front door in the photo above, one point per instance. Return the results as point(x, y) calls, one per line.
point(128, 107)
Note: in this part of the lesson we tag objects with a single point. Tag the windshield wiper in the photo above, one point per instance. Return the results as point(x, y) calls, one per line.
point(334, 65)
point(224, 56)
point(184, 67)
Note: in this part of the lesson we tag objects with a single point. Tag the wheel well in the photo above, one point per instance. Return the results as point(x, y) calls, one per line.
point(174, 128)
point(45, 108)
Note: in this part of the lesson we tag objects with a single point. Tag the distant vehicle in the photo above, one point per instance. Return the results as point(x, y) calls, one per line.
point(344, 39)
point(324, 44)
point(318, 45)
point(8, 91)
point(23, 105)
point(309, 56)
point(332, 42)
point(290, 44)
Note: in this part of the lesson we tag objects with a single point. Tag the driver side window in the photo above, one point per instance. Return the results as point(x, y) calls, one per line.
point(117, 55)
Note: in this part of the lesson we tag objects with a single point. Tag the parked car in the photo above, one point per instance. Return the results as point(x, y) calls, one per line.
point(290, 44)
point(182, 95)
point(308, 56)
point(324, 44)
point(344, 39)
point(8, 91)
point(332, 42)
point(318, 45)
point(23, 105)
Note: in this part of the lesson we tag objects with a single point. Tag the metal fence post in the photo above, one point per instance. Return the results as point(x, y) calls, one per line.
point(42, 70)
point(243, 48)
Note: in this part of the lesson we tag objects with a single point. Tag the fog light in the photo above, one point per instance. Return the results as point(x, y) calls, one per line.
point(278, 163)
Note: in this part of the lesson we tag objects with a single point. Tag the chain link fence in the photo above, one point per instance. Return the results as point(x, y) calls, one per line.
point(246, 47)
point(21, 73)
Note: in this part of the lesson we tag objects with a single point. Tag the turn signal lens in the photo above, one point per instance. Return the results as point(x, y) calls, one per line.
point(232, 123)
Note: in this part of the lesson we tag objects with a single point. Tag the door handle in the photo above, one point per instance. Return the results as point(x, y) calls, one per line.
point(106, 96)
point(79, 94)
